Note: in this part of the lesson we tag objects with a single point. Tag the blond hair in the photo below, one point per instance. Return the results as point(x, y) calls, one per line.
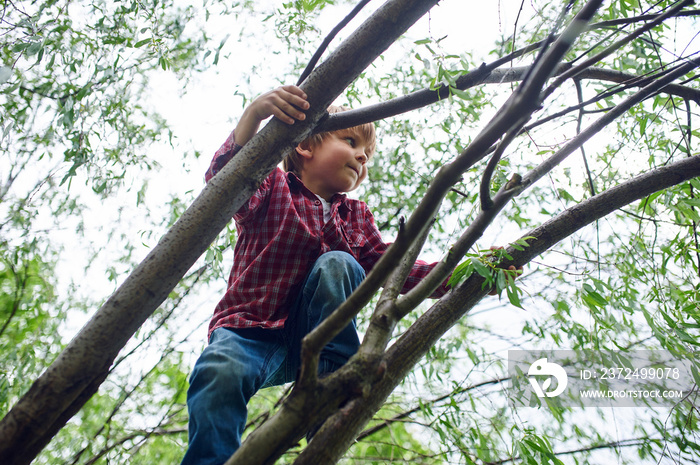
point(294, 162)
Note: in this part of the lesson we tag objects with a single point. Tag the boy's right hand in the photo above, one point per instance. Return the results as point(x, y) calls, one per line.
point(285, 103)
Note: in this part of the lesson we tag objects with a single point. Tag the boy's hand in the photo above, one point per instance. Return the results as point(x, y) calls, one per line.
point(285, 103)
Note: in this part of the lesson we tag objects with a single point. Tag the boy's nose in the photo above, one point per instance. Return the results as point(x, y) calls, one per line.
point(361, 156)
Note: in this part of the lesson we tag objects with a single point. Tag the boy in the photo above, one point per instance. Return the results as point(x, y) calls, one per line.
point(302, 248)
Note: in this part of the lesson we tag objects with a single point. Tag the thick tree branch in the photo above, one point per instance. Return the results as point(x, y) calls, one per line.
point(424, 97)
point(486, 74)
point(384, 319)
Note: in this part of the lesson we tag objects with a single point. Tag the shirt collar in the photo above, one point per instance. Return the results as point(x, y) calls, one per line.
point(296, 185)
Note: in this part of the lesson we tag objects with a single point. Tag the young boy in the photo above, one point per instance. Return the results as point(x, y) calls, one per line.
point(302, 248)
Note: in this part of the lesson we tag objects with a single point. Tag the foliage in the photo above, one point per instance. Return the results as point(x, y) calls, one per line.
point(29, 322)
point(79, 130)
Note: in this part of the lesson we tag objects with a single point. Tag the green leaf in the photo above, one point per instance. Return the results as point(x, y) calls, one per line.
point(83, 92)
point(483, 270)
point(461, 273)
point(34, 48)
point(695, 372)
point(513, 296)
point(5, 74)
point(501, 280)
point(460, 93)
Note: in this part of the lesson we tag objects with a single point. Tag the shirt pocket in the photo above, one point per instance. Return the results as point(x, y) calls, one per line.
point(355, 238)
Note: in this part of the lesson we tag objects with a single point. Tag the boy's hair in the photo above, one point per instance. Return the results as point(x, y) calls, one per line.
point(293, 161)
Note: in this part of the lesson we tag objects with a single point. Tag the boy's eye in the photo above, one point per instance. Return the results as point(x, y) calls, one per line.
point(350, 141)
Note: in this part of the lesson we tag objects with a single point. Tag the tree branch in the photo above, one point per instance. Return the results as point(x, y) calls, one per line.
point(649, 90)
point(490, 74)
point(636, 19)
point(386, 423)
point(606, 445)
point(384, 318)
point(486, 74)
point(485, 187)
point(421, 98)
point(324, 45)
point(574, 71)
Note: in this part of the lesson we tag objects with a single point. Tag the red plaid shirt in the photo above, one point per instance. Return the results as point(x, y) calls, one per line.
point(281, 233)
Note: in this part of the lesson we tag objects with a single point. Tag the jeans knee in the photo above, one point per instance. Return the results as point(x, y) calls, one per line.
point(222, 373)
point(334, 276)
point(219, 377)
point(337, 265)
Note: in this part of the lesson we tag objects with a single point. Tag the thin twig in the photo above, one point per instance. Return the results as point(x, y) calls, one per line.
point(324, 45)
point(579, 123)
point(20, 287)
point(650, 90)
point(386, 423)
point(615, 46)
point(485, 188)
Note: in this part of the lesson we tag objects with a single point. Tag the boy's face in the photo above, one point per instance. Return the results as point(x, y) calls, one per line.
point(338, 164)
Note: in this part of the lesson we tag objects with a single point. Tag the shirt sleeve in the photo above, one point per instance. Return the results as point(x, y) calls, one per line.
point(222, 156)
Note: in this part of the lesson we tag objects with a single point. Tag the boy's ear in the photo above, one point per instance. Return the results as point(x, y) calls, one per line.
point(304, 150)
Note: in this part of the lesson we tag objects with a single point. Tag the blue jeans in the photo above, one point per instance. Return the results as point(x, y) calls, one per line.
point(238, 362)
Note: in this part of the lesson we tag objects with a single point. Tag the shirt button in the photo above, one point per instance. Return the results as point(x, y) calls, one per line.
point(318, 202)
